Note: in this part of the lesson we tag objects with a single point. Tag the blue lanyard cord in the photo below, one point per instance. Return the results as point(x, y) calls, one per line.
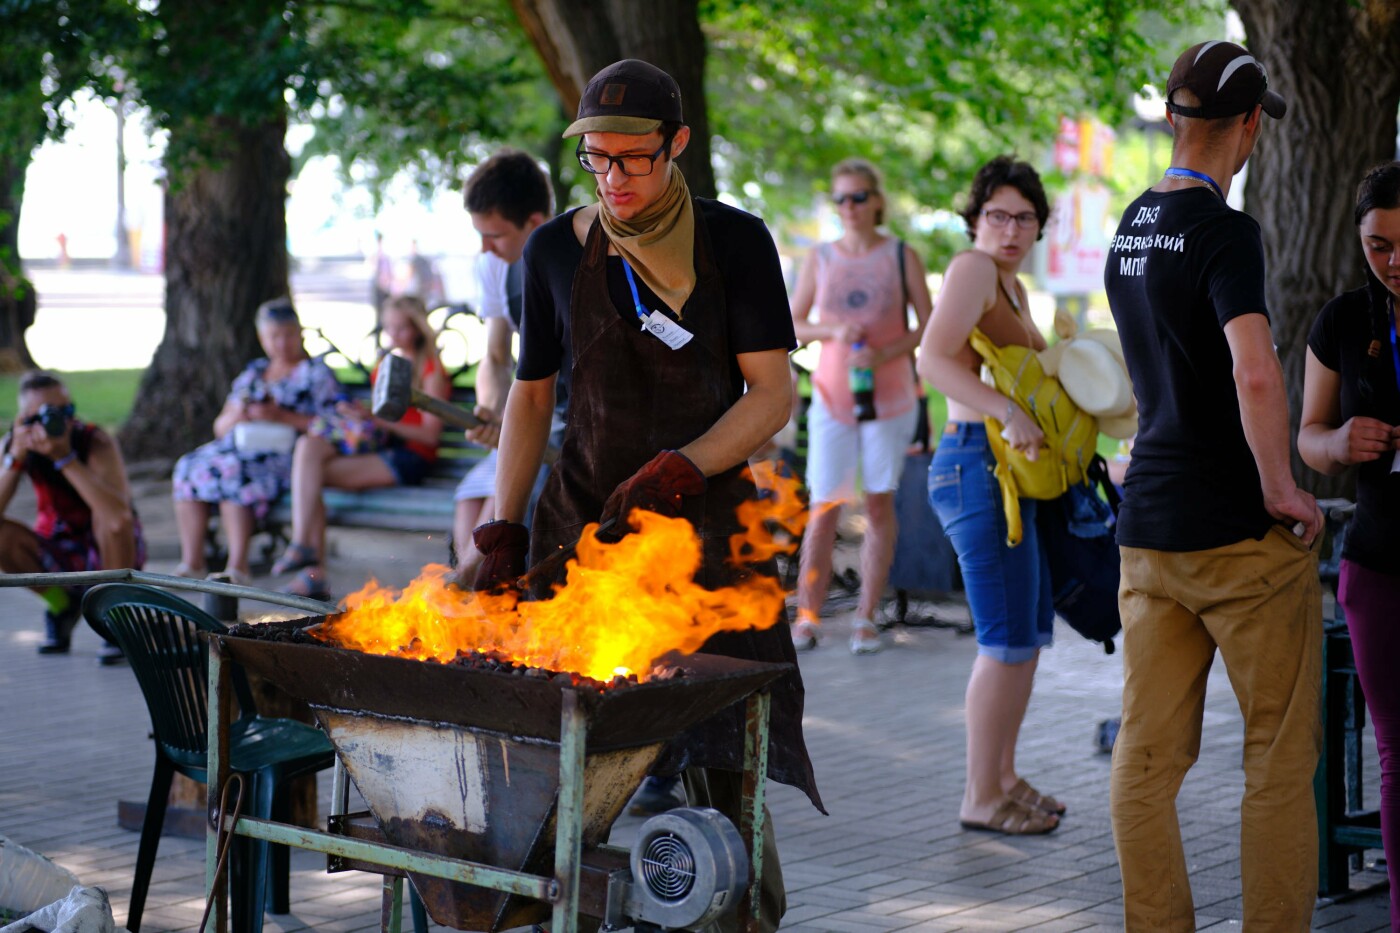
point(636, 299)
point(1394, 349)
point(1199, 176)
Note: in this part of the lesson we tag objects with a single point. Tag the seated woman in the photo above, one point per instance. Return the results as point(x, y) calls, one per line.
point(287, 387)
point(329, 456)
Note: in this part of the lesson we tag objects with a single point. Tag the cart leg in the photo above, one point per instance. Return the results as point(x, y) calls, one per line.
point(755, 796)
point(568, 840)
point(220, 711)
point(391, 906)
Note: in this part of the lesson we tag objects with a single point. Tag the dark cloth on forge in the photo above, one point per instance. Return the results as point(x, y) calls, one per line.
point(1340, 338)
point(631, 397)
point(1182, 265)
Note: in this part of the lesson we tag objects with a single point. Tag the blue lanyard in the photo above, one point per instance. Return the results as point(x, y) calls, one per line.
point(636, 299)
point(1394, 350)
point(1199, 176)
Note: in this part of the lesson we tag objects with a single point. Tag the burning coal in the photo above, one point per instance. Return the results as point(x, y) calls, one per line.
point(623, 604)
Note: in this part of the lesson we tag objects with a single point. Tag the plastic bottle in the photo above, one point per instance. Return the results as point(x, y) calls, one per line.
point(863, 387)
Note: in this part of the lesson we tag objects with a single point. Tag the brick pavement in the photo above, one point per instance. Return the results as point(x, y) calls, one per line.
point(885, 732)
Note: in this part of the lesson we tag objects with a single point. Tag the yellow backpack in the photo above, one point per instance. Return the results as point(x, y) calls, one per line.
point(1071, 434)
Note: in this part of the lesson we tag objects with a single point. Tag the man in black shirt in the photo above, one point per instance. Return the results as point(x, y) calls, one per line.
point(667, 317)
point(1214, 533)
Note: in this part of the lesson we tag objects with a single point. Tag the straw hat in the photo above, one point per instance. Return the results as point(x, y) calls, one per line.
point(1090, 366)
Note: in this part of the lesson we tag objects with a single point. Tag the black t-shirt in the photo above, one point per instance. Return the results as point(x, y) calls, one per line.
point(1339, 339)
point(756, 302)
point(1182, 265)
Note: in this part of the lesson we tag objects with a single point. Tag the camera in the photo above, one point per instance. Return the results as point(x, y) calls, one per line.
point(54, 418)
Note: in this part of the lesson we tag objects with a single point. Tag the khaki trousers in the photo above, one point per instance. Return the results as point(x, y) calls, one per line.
point(1260, 604)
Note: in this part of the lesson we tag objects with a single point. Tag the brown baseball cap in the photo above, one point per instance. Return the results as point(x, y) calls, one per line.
point(1226, 79)
point(629, 97)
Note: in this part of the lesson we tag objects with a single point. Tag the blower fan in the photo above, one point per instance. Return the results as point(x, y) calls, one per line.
point(689, 865)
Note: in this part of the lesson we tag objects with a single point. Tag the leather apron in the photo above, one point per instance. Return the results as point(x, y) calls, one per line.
point(631, 397)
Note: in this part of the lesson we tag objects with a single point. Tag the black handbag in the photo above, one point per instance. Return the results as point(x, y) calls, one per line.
point(1076, 531)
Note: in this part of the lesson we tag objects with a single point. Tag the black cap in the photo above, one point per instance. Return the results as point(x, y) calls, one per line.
point(1226, 78)
point(629, 97)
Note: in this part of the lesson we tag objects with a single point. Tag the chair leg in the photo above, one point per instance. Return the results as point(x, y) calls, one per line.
point(415, 906)
point(259, 861)
point(150, 840)
point(279, 866)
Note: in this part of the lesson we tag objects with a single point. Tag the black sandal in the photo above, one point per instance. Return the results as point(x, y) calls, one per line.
point(295, 557)
point(309, 582)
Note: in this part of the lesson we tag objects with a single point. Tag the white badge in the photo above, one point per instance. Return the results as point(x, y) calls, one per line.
point(666, 330)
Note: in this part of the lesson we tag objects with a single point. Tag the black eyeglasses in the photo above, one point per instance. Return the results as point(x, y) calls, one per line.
point(600, 163)
point(1024, 220)
point(855, 197)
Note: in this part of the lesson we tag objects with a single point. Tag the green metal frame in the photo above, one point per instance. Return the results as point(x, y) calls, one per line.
point(562, 890)
point(1345, 829)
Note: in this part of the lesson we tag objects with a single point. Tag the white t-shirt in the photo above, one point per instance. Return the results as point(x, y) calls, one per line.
point(491, 287)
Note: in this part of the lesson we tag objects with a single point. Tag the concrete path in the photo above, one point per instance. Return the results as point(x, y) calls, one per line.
point(884, 730)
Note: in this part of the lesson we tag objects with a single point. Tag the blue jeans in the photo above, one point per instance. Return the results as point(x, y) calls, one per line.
point(1008, 589)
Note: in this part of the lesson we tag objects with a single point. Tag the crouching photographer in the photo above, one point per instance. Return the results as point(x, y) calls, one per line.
point(84, 520)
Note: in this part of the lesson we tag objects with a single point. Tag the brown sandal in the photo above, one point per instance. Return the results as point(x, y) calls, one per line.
point(1024, 793)
point(1013, 818)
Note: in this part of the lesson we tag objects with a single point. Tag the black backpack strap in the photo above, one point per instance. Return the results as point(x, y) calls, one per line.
point(1097, 472)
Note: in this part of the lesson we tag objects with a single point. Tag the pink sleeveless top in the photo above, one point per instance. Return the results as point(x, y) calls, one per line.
point(864, 290)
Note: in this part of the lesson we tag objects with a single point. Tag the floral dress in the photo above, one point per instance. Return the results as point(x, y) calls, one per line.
point(217, 472)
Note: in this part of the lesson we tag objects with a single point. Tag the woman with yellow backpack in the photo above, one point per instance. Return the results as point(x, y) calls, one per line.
point(983, 306)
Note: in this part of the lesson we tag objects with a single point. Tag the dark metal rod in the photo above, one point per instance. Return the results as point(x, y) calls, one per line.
point(94, 577)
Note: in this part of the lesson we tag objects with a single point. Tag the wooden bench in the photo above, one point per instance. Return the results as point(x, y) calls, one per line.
point(427, 507)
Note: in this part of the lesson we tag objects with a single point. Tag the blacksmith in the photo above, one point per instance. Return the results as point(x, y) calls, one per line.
point(666, 317)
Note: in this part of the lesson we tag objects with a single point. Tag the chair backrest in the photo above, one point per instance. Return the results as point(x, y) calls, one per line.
point(159, 634)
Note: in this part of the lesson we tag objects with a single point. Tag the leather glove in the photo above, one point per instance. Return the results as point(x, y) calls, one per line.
point(657, 487)
point(504, 547)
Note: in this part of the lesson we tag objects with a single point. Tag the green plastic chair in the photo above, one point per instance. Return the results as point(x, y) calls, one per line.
point(159, 634)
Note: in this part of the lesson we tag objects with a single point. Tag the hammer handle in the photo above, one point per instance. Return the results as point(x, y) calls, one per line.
point(454, 415)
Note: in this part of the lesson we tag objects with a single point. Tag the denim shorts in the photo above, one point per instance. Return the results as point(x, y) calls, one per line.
point(408, 467)
point(1008, 589)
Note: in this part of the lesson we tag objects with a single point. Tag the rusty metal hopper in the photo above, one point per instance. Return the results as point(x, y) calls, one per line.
point(465, 763)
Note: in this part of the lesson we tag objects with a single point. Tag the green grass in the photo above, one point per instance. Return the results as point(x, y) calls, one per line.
point(103, 396)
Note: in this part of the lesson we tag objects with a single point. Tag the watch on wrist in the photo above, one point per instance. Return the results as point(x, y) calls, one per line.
point(11, 462)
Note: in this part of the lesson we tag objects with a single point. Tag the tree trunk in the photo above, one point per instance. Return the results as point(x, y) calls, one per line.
point(1333, 62)
point(18, 303)
point(225, 253)
point(578, 38)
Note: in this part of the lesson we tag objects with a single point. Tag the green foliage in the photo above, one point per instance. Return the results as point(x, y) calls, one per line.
point(423, 86)
point(927, 92)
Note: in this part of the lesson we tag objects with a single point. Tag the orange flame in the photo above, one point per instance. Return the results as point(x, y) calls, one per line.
point(622, 606)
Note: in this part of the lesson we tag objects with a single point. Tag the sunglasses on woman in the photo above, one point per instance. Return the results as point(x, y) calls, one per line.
point(855, 197)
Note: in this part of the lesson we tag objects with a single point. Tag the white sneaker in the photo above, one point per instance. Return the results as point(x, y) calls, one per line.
point(865, 637)
point(804, 635)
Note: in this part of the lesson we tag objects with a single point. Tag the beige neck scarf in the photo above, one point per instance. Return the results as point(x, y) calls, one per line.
point(659, 243)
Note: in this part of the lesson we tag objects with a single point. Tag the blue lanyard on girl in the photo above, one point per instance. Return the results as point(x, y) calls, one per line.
point(1394, 350)
point(636, 298)
point(1199, 176)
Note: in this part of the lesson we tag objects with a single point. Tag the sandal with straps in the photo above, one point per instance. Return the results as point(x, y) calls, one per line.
point(295, 557)
point(1013, 818)
point(1024, 793)
point(311, 583)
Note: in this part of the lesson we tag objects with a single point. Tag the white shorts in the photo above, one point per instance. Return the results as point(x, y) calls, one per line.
point(836, 451)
